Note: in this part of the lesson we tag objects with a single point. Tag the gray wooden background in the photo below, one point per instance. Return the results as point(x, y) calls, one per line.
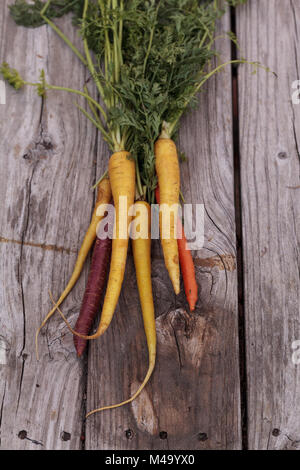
point(224, 378)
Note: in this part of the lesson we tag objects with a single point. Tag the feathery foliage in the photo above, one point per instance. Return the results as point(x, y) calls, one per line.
point(151, 57)
point(29, 14)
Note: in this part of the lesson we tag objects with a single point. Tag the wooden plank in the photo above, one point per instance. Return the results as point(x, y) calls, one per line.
point(47, 168)
point(192, 401)
point(269, 148)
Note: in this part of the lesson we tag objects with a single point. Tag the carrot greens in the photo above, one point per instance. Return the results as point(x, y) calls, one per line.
point(148, 60)
point(29, 14)
point(168, 56)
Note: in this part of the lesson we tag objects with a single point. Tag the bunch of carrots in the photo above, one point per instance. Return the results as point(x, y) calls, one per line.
point(148, 60)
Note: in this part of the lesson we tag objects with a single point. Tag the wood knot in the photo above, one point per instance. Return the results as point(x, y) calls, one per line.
point(202, 436)
point(178, 322)
point(181, 321)
point(283, 156)
point(39, 150)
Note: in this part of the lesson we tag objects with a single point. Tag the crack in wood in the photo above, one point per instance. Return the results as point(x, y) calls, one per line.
point(1, 410)
point(294, 17)
point(23, 435)
point(20, 384)
point(177, 347)
point(216, 226)
point(295, 136)
point(20, 277)
point(38, 443)
point(226, 262)
point(42, 246)
point(23, 308)
point(293, 441)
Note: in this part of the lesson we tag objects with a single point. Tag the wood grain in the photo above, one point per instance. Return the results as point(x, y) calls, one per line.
point(47, 168)
point(192, 401)
point(269, 149)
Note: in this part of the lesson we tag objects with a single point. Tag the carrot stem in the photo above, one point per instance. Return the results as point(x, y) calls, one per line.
point(61, 34)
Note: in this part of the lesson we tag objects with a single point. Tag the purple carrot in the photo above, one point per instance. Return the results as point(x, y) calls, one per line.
point(93, 292)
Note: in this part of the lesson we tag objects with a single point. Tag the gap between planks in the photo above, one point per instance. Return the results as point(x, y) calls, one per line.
point(239, 239)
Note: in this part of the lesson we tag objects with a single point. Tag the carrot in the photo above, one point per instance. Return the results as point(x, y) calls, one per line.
point(103, 197)
point(121, 169)
point(93, 292)
point(186, 263)
point(142, 260)
point(187, 269)
point(167, 169)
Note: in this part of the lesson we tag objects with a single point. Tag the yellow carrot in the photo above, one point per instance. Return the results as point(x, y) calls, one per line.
point(142, 260)
point(167, 169)
point(122, 179)
point(121, 169)
point(103, 197)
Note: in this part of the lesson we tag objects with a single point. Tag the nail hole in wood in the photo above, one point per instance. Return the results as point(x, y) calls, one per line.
point(163, 434)
point(65, 436)
point(202, 436)
point(275, 432)
point(22, 434)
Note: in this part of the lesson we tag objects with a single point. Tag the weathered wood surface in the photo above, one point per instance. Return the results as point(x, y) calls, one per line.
point(47, 168)
point(268, 31)
point(50, 156)
point(192, 401)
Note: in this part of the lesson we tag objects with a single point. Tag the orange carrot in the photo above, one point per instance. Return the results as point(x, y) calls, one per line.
point(186, 264)
point(187, 268)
